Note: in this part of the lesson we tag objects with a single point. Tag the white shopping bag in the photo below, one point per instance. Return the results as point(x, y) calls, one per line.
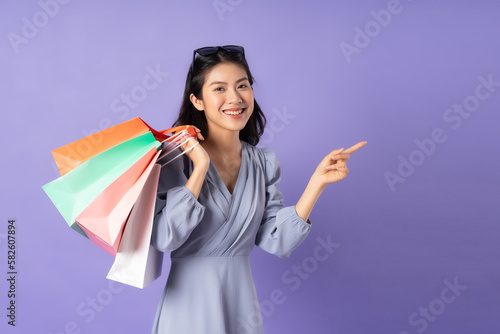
point(137, 262)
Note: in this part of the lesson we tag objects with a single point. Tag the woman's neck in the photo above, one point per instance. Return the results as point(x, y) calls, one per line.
point(223, 144)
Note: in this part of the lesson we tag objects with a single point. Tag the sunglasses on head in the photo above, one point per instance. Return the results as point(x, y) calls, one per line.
point(208, 50)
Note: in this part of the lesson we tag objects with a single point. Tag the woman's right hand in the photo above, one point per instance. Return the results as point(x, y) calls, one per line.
point(201, 163)
point(198, 155)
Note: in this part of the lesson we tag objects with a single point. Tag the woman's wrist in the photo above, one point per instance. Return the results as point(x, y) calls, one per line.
point(201, 166)
point(309, 197)
point(316, 182)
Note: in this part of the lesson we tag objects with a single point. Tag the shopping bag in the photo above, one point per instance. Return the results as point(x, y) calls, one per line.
point(109, 194)
point(104, 219)
point(74, 154)
point(74, 191)
point(137, 262)
point(111, 155)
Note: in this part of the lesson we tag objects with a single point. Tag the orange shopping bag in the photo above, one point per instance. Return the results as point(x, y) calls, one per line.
point(74, 154)
point(109, 175)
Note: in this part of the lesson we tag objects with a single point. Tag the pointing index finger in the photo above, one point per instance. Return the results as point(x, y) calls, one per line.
point(354, 148)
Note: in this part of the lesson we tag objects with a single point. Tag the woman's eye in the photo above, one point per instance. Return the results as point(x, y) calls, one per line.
point(219, 89)
point(242, 86)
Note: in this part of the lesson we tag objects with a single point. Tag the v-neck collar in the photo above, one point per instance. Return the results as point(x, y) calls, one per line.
point(217, 180)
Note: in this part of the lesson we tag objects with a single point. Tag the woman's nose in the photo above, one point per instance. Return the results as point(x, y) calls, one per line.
point(234, 96)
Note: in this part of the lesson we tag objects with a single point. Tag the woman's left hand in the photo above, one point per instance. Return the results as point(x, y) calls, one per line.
point(333, 167)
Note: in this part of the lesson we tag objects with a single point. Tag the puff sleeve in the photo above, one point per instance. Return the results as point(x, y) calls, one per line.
point(177, 212)
point(281, 229)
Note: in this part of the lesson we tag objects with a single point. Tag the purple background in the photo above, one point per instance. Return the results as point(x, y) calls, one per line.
point(397, 246)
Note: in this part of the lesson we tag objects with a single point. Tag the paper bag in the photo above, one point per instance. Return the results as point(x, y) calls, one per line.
point(137, 262)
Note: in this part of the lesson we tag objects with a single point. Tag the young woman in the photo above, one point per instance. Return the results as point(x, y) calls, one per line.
point(215, 204)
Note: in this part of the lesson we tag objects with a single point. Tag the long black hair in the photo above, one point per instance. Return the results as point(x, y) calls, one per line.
point(189, 115)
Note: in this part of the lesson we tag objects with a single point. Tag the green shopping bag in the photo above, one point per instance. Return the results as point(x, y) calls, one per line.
point(74, 191)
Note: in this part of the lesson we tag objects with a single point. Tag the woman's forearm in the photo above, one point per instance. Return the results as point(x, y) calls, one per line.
point(195, 181)
point(309, 197)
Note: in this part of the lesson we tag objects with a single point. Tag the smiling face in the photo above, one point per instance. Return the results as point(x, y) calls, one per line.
point(228, 100)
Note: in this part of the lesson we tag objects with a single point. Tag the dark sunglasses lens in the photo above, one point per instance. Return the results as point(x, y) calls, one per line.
point(233, 48)
point(207, 50)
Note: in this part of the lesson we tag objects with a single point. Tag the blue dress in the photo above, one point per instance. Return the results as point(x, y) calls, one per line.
point(210, 287)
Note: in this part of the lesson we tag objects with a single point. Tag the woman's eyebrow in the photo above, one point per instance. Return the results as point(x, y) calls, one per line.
point(225, 83)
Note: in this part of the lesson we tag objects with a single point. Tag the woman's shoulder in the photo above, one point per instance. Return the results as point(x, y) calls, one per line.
point(262, 156)
point(264, 152)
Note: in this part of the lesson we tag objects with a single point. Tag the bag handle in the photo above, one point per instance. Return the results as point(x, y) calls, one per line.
point(176, 129)
point(169, 134)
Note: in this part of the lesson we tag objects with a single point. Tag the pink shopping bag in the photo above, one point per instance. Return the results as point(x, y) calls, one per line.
point(104, 219)
point(137, 262)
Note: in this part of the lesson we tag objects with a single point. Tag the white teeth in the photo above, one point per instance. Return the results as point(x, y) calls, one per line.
point(232, 113)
